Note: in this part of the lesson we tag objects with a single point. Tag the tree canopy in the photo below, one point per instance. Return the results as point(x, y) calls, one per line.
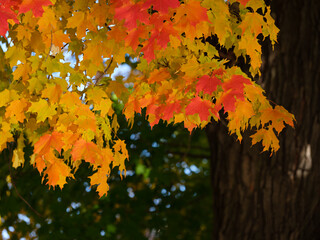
point(58, 95)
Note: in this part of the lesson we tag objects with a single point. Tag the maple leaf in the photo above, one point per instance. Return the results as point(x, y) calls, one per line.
point(5, 135)
point(239, 119)
point(163, 5)
point(277, 117)
point(18, 154)
point(134, 36)
point(35, 5)
point(57, 172)
point(243, 2)
point(17, 109)
point(189, 16)
point(121, 154)
point(254, 22)
point(207, 84)
point(87, 151)
point(48, 142)
point(43, 110)
point(149, 49)
point(250, 43)
point(79, 21)
point(192, 11)
point(132, 12)
point(132, 106)
point(199, 106)
point(163, 29)
point(157, 75)
point(6, 96)
point(40, 164)
point(52, 92)
point(169, 109)
point(268, 138)
point(233, 89)
point(100, 178)
point(5, 14)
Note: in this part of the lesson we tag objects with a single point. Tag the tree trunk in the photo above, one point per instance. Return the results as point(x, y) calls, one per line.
point(278, 197)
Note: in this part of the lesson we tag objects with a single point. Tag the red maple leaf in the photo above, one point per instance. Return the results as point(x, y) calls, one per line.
point(243, 2)
point(5, 14)
point(149, 48)
point(199, 106)
point(162, 6)
point(169, 109)
point(132, 12)
point(34, 5)
point(134, 35)
point(233, 89)
point(162, 30)
point(207, 84)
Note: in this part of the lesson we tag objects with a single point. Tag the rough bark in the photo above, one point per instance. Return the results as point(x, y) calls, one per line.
point(278, 197)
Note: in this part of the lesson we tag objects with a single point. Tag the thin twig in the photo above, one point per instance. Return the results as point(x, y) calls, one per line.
point(66, 44)
point(104, 72)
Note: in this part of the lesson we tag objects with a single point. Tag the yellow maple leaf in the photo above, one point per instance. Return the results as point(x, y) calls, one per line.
point(43, 110)
point(105, 107)
point(79, 20)
point(268, 138)
point(239, 119)
point(23, 33)
point(18, 154)
point(120, 155)
point(250, 43)
point(15, 54)
point(5, 136)
point(7, 96)
point(100, 178)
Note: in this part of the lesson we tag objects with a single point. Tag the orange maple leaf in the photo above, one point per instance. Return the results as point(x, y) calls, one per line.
point(192, 11)
point(57, 172)
point(87, 151)
point(17, 108)
point(48, 141)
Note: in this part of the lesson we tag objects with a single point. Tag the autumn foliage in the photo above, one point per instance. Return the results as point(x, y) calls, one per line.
point(64, 107)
